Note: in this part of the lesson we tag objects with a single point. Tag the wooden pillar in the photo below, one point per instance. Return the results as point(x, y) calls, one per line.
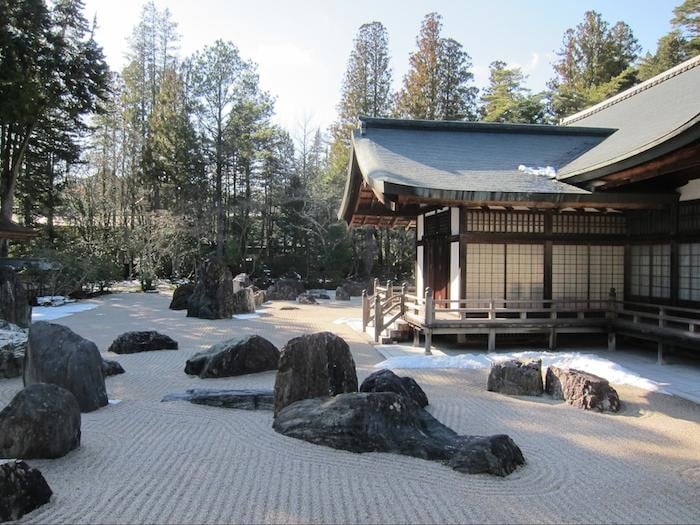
point(428, 320)
point(378, 317)
point(660, 345)
point(553, 330)
point(416, 337)
point(612, 316)
point(365, 310)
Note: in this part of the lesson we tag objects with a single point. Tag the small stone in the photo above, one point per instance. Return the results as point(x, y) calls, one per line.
point(22, 489)
point(581, 389)
point(111, 367)
point(306, 299)
point(181, 296)
point(342, 294)
point(387, 381)
point(143, 341)
point(516, 377)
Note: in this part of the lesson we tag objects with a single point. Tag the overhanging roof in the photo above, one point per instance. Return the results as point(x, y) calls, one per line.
point(399, 165)
point(652, 119)
point(15, 232)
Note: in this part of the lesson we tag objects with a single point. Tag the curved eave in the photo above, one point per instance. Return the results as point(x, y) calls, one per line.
point(678, 138)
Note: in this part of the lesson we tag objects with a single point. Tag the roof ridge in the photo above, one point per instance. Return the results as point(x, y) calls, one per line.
point(478, 126)
point(634, 90)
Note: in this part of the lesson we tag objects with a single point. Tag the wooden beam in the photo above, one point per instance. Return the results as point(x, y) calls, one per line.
point(683, 158)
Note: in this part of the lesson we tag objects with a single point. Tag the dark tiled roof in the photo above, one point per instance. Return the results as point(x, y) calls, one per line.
point(652, 118)
point(468, 157)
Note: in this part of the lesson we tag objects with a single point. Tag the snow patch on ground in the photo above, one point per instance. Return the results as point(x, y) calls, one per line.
point(547, 171)
point(49, 313)
point(115, 401)
point(53, 300)
point(248, 316)
point(591, 363)
point(353, 322)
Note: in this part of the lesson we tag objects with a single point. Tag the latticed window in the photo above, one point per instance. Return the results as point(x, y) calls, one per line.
point(586, 272)
point(496, 221)
point(510, 271)
point(650, 270)
point(689, 271)
point(590, 223)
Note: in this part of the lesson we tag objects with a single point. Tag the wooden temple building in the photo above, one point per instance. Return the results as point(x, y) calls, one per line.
point(592, 225)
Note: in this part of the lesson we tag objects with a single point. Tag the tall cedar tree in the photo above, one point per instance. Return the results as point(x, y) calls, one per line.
point(506, 99)
point(437, 85)
point(51, 68)
point(594, 63)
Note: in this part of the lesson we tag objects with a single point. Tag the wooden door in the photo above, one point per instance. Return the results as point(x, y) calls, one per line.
point(437, 266)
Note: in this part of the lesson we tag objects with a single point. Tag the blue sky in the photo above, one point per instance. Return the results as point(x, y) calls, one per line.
point(302, 46)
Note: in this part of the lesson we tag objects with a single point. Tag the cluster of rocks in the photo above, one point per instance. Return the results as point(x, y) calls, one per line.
point(317, 400)
point(578, 388)
point(216, 294)
point(285, 290)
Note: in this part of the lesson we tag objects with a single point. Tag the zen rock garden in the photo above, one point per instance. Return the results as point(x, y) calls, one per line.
point(63, 375)
point(580, 389)
point(316, 398)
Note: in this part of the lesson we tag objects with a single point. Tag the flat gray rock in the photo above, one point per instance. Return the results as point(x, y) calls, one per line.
point(245, 399)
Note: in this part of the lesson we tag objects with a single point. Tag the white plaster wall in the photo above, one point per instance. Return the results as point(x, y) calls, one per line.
point(454, 221)
point(420, 224)
point(420, 292)
point(455, 273)
point(690, 191)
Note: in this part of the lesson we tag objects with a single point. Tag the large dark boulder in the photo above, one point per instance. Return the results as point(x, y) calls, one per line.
point(22, 489)
point(387, 381)
point(285, 290)
point(234, 357)
point(41, 421)
point(247, 399)
point(581, 389)
point(145, 341)
point(342, 294)
point(212, 297)
point(111, 368)
point(244, 301)
point(516, 378)
point(389, 422)
point(13, 347)
point(59, 356)
point(314, 365)
point(181, 296)
point(14, 303)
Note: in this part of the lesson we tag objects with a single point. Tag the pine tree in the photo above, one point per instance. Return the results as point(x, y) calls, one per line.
point(216, 74)
point(505, 99)
point(594, 63)
point(437, 85)
point(671, 50)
